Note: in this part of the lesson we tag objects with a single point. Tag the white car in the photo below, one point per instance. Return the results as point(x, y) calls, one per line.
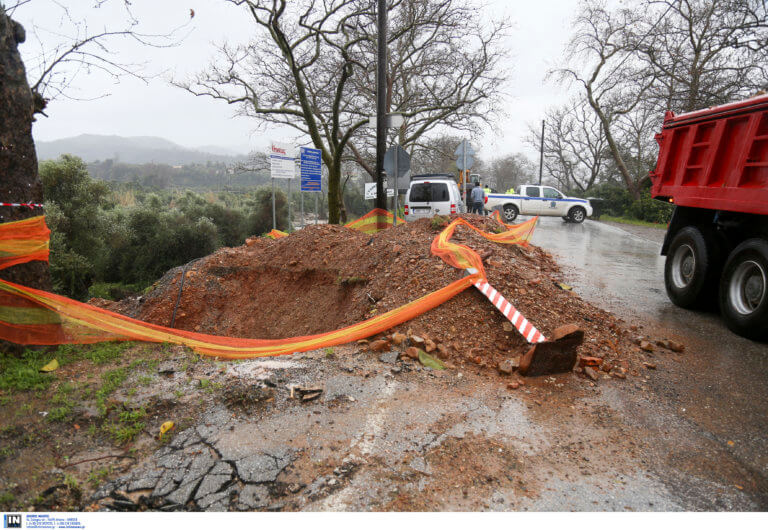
point(430, 195)
point(539, 200)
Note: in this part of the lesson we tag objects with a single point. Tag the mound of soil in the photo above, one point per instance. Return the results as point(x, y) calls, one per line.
point(325, 277)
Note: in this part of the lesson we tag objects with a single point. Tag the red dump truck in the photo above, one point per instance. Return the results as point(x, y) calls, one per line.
point(713, 166)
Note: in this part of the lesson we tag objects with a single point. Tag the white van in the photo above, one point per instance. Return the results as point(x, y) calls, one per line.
point(430, 195)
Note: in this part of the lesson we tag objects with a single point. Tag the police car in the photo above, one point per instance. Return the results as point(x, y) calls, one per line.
point(539, 200)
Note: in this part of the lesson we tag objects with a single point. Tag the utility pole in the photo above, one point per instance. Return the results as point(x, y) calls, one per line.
point(381, 104)
point(541, 154)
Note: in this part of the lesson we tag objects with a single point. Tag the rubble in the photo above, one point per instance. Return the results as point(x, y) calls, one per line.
point(671, 345)
point(326, 277)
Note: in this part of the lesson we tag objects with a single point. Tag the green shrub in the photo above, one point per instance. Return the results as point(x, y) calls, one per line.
point(651, 210)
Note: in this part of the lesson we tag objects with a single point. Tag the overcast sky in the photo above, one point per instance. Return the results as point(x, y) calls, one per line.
point(133, 108)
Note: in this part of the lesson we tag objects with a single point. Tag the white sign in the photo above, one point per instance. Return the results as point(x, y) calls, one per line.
point(282, 159)
point(370, 191)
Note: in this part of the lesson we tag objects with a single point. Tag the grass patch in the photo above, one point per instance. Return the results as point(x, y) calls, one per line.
point(438, 221)
point(111, 381)
point(100, 353)
point(352, 280)
point(145, 380)
point(23, 373)
point(97, 476)
point(630, 221)
point(129, 424)
point(115, 291)
point(6, 498)
point(64, 405)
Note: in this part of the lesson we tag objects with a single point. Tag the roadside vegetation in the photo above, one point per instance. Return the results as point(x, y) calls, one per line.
point(629, 221)
point(101, 399)
point(111, 240)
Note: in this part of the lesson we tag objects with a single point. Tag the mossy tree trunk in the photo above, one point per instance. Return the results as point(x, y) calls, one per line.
point(19, 179)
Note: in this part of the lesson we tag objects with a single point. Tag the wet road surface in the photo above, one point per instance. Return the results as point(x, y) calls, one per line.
point(715, 397)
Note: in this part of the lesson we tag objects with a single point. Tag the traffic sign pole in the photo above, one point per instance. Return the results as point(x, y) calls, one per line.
point(463, 179)
point(397, 176)
point(274, 218)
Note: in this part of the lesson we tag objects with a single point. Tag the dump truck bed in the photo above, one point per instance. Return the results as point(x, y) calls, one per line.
point(715, 158)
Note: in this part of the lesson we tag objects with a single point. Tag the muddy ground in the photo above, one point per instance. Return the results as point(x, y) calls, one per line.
point(384, 434)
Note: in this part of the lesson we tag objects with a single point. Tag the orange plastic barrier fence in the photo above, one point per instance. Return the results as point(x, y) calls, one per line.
point(31, 316)
point(463, 257)
point(374, 221)
point(23, 241)
point(276, 234)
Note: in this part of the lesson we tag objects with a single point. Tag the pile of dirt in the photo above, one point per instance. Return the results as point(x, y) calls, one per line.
point(325, 277)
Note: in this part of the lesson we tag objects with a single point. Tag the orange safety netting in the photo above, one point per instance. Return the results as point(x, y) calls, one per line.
point(31, 316)
point(374, 221)
point(23, 241)
point(276, 234)
point(463, 257)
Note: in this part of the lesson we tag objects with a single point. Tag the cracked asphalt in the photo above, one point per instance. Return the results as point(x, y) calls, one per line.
point(387, 434)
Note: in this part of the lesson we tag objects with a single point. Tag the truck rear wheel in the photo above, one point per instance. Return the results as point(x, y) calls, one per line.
point(692, 269)
point(510, 212)
point(744, 290)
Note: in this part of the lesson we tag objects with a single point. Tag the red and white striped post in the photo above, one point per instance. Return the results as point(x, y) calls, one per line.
point(526, 329)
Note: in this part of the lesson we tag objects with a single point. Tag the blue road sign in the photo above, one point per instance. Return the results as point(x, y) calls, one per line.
point(311, 170)
point(464, 146)
point(470, 161)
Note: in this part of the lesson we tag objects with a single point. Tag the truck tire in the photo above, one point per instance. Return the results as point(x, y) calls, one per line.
point(509, 212)
point(744, 290)
point(577, 214)
point(692, 269)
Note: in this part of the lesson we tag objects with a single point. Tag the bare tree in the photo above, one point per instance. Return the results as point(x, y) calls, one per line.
point(704, 52)
point(435, 155)
point(311, 68)
point(635, 133)
point(575, 147)
point(635, 62)
point(602, 63)
point(296, 73)
point(74, 48)
point(444, 75)
point(511, 171)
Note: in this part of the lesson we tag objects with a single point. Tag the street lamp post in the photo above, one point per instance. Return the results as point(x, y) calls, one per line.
point(381, 104)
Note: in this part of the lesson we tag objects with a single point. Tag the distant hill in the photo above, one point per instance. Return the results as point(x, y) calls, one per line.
point(133, 150)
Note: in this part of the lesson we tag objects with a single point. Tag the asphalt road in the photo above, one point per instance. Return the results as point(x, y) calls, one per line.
point(709, 408)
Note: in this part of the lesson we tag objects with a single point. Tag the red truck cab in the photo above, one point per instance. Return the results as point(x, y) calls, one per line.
point(713, 165)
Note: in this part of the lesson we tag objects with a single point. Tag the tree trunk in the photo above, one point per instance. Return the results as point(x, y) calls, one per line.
point(19, 180)
point(634, 190)
point(334, 181)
